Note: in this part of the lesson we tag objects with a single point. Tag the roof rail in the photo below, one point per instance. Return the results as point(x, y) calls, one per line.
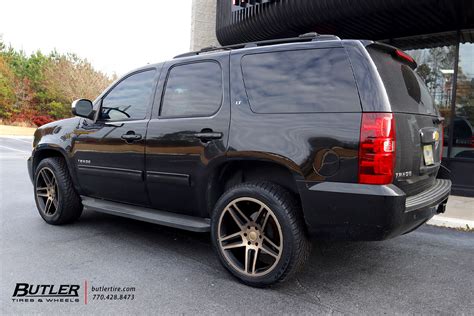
point(307, 37)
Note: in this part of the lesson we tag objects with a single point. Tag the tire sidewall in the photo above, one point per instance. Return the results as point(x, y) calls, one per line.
point(256, 192)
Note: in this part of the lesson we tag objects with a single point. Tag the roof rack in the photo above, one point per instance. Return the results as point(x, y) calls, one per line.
point(307, 37)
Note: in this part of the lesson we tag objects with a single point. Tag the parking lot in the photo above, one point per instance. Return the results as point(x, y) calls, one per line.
point(428, 271)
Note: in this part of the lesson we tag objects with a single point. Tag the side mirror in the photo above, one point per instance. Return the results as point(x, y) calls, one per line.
point(82, 108)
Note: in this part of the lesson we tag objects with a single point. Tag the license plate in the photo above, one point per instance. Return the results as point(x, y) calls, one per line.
point(428, 154)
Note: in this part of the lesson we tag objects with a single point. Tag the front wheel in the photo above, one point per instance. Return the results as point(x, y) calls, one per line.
point(55, 196)
point(258, 233)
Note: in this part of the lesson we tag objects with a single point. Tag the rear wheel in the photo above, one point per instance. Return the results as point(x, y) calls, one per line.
point(55, 196)
point(258, 233)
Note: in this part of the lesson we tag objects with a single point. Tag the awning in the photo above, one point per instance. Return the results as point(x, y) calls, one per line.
point(362, 19)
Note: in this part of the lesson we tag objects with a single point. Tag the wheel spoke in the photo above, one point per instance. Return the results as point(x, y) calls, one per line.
point(55, 203)
point(236, 218)
point(265, 238)
point(46, 178)
point(42, 191)
point(265, 220)
point(47, 206)
point(259, 213)
point(231, 236)
point(247, 259)
point(269, 251)
point(254, 264)
point(233, 245)
point(243, 216)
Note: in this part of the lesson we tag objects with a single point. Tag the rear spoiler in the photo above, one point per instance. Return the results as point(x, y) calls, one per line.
point(396, 53)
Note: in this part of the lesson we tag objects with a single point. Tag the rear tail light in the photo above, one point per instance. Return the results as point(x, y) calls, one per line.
point(377, 148)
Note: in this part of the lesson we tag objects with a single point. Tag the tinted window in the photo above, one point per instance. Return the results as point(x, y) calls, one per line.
point(193, 90)
point(129, 100)
point(406, 90)
point(316, 80)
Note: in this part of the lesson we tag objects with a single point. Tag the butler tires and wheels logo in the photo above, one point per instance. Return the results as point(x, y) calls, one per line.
point(46, 293)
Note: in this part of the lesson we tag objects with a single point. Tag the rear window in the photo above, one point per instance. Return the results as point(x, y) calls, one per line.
point(315, 80)
point(406, 90)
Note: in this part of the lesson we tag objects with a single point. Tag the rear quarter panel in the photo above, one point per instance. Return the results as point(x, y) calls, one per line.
point(314, 146)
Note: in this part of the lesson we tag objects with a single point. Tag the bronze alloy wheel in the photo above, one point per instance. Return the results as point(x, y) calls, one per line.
point(47, 193)
point(250, 237)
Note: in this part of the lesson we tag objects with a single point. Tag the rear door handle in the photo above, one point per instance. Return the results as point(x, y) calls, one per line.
point(130, 136)
point(206, 136)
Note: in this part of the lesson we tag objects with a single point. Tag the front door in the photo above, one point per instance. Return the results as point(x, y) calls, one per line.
point(110, 153)
point(189, 133)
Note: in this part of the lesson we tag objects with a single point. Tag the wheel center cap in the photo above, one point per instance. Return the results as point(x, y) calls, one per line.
point(253, 236)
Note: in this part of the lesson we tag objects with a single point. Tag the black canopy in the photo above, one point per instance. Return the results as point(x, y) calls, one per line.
point(252, 20)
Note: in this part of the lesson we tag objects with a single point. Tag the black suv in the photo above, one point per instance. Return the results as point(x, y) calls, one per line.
point(262, 144)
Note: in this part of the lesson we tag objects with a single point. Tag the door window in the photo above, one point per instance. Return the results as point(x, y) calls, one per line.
point(193, 90)
point(130, 99)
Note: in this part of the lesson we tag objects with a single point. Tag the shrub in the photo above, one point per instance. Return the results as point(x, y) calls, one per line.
point(59, 110)
point(42, 119)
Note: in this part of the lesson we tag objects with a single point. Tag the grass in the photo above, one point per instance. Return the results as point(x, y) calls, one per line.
point(466, 229)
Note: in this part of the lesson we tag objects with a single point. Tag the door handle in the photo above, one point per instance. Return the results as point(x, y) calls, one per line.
point(207, 135)
point(130, 137)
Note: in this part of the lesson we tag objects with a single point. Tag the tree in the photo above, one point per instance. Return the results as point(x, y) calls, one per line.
point(68, 77)
point(7, 95)
point(44, 85)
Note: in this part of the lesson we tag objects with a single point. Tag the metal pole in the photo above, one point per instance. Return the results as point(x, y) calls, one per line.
point(453, 97)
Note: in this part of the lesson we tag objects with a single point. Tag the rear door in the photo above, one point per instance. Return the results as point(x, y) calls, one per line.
point(188, 133)
point(418, 128)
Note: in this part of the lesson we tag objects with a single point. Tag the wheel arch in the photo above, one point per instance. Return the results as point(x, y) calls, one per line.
point(232, 172)
point(44, 151)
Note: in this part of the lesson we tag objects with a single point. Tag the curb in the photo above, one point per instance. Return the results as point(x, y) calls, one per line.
point(17, 136)
point(450, 222)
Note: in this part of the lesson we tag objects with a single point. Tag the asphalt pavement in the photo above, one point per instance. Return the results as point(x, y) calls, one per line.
point(428, 271)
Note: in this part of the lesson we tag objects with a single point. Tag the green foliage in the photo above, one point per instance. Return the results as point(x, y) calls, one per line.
point(7, 94)
point(44, 85)
point(58, 109)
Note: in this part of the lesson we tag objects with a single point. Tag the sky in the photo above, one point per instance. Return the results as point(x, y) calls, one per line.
point(115, 36)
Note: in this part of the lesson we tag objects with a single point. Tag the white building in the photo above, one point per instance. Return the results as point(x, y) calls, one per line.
point(203, 24)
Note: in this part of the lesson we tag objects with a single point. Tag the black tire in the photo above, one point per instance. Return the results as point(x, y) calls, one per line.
point(294, 242)
point(68, 205)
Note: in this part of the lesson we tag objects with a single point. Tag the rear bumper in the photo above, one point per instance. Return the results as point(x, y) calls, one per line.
point(368, 212)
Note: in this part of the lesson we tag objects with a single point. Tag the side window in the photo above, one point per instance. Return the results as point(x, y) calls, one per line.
point(193, 90)
point(314, 80)
point(129, 100)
